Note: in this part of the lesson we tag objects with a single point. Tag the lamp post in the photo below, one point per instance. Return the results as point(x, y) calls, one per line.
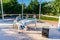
point(22, 9)
point(2, 10)
point(40, 10)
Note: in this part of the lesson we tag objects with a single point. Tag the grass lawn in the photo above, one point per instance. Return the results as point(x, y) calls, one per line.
point(48, 18)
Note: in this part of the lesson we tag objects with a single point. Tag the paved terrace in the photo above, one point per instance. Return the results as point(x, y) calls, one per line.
point(7, 33)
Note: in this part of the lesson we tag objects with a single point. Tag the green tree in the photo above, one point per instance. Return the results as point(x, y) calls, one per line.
point(0, 5)
point(33, 7)
point(56, 7)
point(9, 6)
point(30, 7)
point(46, 8)
point(36, 6)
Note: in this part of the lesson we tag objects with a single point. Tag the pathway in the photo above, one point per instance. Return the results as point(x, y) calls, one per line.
point(6, 33)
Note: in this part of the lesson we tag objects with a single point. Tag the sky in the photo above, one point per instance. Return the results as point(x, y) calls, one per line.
point(28, 1)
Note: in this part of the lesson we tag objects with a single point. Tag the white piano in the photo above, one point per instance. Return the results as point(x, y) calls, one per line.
point(22, 24)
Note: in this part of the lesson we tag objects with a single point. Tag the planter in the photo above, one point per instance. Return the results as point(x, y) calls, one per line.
point(45, 32)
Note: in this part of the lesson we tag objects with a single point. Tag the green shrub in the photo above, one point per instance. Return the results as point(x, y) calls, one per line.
point(0, 15)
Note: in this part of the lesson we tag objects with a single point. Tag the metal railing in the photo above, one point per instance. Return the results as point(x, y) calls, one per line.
point(29, 15)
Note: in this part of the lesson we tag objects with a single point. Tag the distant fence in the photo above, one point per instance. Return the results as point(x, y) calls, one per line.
point(30, 15)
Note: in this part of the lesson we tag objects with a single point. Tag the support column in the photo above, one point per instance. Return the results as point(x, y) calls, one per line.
point(40, 10)
point(2, 9)
point(22, 9)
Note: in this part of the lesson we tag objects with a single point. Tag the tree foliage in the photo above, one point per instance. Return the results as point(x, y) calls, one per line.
point(33, 7)
point(13, 7)
point(51, 8)
point(56, 7)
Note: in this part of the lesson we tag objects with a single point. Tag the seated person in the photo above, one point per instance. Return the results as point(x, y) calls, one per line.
point(34, 16)
point(18, 18)
point(27, 16)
